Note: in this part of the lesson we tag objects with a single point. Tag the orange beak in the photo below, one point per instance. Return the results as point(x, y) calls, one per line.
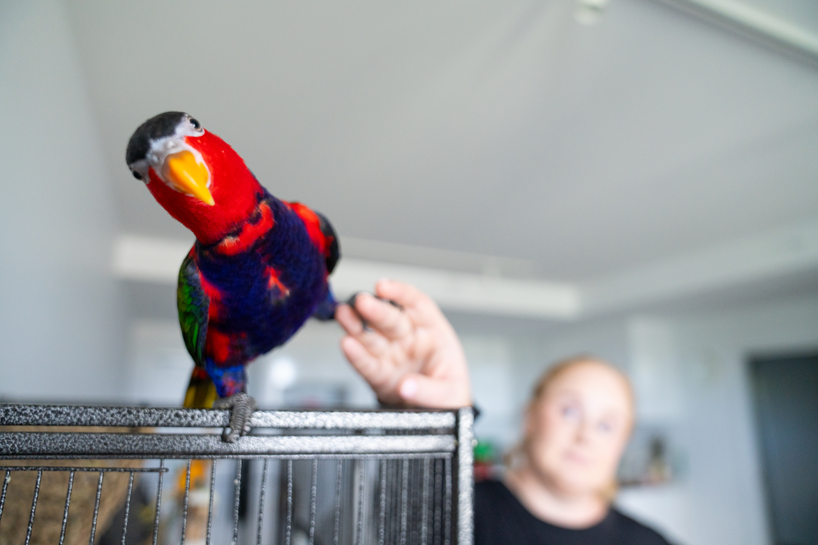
point(188, 176)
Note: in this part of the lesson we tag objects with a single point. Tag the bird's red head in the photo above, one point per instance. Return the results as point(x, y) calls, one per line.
point(195, 175)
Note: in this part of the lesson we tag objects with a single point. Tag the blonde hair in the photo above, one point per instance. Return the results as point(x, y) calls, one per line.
point(542, 385)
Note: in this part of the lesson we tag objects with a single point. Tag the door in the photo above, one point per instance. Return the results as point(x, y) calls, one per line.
point(786, 404)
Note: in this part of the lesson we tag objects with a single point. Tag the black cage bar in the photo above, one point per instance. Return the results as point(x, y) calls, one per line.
point(314, 477)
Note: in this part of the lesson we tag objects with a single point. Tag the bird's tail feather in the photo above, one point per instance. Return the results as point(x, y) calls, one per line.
point(201, 392)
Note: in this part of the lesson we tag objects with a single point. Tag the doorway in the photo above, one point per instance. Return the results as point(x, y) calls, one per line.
point(785, 395)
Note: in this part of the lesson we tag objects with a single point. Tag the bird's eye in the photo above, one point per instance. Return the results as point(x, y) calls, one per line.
point(136, 175)
point(195, 123)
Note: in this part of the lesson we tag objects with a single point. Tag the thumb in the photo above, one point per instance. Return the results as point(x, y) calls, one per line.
point(434, 393)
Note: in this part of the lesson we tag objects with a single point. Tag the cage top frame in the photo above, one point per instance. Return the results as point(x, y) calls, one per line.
point(348, 433)
point(444, 434)
point(151, 417)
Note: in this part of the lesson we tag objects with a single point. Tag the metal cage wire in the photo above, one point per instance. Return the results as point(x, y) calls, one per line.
point(331, 477)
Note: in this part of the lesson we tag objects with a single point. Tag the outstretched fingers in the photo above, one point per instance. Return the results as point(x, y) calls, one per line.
point(383, 317)
point(417, 305)
point(350, 319)
point(403, 294)
point(360, 358)
point(407, 352)
point(376, 371)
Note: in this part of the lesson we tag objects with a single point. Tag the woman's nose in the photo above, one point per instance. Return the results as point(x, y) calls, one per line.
point(585, 431)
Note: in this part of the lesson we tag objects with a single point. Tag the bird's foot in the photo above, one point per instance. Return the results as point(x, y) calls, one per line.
point(241, 407)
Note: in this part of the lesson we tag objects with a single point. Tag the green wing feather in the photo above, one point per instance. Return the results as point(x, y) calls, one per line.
point(193, 305)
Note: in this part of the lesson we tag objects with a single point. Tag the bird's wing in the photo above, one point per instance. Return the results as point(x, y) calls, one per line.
point(332, 250)
point(193, 304)
point(321, 233)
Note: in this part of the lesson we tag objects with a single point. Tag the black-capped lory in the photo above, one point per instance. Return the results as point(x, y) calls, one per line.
point(257, 270)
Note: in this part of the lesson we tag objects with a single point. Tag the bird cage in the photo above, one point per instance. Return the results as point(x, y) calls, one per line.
point(148, 476)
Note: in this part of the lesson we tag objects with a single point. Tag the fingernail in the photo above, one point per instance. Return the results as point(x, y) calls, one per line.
point(409, 388)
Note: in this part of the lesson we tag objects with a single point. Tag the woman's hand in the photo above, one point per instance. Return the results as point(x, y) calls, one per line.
point(409, 356)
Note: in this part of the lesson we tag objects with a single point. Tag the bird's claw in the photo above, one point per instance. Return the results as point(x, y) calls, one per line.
point(241, 407)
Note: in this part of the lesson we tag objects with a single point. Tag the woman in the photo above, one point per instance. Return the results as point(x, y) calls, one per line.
point(561, 479)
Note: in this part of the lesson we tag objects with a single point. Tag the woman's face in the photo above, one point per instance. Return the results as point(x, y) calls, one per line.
point(576, 432)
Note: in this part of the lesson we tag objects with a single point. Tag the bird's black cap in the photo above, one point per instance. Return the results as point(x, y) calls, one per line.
point(156, 127)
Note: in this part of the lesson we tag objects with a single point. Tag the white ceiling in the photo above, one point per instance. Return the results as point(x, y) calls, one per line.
point(502, 128)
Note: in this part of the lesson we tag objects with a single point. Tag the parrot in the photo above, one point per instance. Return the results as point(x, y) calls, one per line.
point(257, 271)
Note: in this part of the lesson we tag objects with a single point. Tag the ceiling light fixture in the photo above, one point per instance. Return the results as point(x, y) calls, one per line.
point(588, 12)
point(745, 18)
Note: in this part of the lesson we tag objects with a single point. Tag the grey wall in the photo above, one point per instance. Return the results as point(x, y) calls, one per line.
point(726, 493)
point(60, 311)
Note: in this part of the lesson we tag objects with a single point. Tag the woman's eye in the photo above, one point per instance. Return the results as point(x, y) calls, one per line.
point(571, 413)
point(605, 427)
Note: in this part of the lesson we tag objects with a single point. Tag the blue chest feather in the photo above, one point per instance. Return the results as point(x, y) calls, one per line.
point(261, 296)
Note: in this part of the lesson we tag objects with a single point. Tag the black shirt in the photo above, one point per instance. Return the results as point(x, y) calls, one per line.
point(500, 519)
